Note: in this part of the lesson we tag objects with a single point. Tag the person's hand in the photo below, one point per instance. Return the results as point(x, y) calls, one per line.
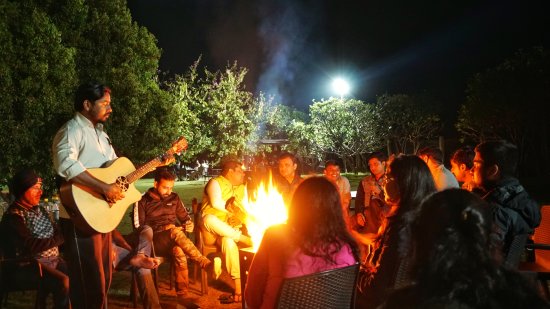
point(234, 221)
point(360, 218)
point(167, 160)
point(189, 226)
point(113, 193)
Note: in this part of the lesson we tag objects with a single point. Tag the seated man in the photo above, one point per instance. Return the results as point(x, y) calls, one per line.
point(332, 173)
point(222, 216)
point(29, 232)
point(161, 209)
point(443, 178)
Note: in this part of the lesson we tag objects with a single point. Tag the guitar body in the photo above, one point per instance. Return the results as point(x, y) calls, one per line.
point(89, 210)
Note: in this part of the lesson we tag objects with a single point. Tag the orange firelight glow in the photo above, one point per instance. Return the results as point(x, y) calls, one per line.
point(265, 208)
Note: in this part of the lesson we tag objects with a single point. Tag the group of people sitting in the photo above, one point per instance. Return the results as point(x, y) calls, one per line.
point(432, 244)
point(419, 246)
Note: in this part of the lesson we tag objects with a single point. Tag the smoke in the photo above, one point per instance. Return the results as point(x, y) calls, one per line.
point(284, 30)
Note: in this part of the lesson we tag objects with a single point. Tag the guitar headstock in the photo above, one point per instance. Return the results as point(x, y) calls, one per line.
point(178, 146)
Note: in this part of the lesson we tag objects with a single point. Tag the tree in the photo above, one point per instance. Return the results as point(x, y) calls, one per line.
point(48, 48)
point(343, 127)
point(507, 102)
point(215, 111)
point(406, 120)
point(37, 77)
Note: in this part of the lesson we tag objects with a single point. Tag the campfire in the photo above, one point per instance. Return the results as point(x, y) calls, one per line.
point(265, 208)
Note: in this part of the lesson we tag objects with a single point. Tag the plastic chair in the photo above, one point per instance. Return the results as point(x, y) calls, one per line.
point(333, 288)
point(19, 274)
point(540, 265)
point(204, 249)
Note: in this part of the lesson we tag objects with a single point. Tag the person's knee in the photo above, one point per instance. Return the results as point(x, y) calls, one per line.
point(146, 232)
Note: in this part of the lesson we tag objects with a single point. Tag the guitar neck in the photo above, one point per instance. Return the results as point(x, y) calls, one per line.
point(142, 170)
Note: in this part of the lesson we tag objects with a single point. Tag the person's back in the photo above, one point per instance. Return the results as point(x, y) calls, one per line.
point(454, 263)
point(443, 178)
point(311, 242)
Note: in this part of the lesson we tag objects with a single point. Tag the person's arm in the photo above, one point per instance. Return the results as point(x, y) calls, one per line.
point(181, 212)
point(112, 192)
point(360, 199)
point(214, 193)
point(65, 158)
point(22, 236)
point(119, 240)
point(141, 212)
point(346, 194)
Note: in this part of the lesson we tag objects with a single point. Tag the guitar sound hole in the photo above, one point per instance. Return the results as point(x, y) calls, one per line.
point(123, 184)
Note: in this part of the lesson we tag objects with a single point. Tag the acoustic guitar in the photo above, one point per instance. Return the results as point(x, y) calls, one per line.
point(89, 210)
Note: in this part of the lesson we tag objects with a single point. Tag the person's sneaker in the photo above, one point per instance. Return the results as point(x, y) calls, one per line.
point(217, 267)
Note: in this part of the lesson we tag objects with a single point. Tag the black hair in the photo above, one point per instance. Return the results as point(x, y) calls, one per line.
point(433, 153)
point(464, 155)
point(164, 173)
point(501, 153)
point(91, 91)
point(381, 156)
point(316, 217)
point(288, 155)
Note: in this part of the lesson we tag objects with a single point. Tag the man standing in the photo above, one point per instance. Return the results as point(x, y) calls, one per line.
point(443, 178)
point(161, 209)
point(28, 231)
point(222, 216)
point(370, 207)
point(332, 173)
point(287, 180)
point(515, 212)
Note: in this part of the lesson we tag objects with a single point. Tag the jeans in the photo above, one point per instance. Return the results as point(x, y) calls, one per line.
point(146, 286)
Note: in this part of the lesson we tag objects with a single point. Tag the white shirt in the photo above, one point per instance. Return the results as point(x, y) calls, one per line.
point(78, 145)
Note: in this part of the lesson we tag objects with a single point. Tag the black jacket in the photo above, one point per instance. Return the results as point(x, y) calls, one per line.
point(515, 212)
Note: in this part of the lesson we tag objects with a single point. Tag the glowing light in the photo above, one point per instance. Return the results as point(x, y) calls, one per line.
point(340, 86)
point(265, 208)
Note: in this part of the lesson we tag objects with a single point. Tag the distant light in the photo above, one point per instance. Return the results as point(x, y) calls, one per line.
point(340, 86)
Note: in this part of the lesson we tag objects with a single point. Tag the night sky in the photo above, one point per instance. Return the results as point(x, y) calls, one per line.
point(293, 48)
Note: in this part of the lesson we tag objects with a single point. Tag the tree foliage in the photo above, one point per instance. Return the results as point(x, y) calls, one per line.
point(406, 120)
point(343, 127)
point(37, 77)
point(51, 46)
point(215, 111)
point(505, 102)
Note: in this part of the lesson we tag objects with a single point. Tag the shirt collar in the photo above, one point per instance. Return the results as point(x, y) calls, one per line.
point(85, 122)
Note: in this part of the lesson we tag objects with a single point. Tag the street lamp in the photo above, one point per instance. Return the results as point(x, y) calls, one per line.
point(340, 86)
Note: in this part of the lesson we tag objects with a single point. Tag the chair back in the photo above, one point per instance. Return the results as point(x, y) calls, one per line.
point(542, 236)
point(333, 288)
point(515, 251)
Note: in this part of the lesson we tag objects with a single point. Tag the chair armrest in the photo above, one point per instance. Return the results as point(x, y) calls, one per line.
point(538, 246)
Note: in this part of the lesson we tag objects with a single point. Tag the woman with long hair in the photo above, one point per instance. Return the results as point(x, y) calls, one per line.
point(454, 259)
point(408, 182)
point(314, 239)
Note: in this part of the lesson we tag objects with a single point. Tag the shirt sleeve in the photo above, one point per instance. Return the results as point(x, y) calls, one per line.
point(65, 153)
point(141, 212)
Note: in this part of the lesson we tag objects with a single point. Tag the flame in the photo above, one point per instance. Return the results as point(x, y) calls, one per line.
point(265, 208)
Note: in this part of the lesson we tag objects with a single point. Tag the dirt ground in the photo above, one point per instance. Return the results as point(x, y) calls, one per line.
point(119, 294)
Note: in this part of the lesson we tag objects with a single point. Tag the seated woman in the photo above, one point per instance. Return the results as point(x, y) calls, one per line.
point(315, 239)
point(454, 260)
point(408, 182)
